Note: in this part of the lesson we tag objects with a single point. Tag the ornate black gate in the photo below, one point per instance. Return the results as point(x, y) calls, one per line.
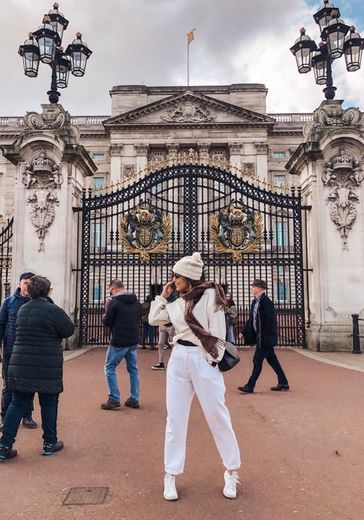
point(242, 230)
point(6, 235)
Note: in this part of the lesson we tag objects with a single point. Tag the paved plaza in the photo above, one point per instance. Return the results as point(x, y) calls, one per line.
point(303, 452)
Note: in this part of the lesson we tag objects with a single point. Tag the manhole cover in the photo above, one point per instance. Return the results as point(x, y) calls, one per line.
point(82, 496)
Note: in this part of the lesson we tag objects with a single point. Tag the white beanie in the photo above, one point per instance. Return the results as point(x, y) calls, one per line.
point(189, 266)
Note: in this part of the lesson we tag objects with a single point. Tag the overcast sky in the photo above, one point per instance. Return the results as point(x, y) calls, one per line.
point(144, 42)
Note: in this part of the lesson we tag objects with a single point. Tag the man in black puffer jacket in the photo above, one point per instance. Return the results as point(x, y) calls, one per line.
point(8, 313)
point(36, 365)
point(123, 317)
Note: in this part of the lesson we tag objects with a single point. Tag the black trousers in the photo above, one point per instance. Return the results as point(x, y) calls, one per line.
point(260, 355)
point(6, 395)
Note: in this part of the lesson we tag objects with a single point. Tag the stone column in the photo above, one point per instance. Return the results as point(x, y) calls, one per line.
point(115, 163)
point(262, 160)
point(172, 152)
point(50, 171)
point(142, 156)
point(235, 154)
point(331, 169)
point(203, 152)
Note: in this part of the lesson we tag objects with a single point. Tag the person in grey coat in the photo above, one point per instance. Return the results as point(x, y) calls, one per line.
point(36, 365)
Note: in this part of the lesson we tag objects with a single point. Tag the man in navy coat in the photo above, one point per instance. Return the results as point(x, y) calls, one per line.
point(261, 330)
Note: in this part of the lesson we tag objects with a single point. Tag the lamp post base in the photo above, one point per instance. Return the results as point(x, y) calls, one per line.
point(53, 96)
point(329, 92)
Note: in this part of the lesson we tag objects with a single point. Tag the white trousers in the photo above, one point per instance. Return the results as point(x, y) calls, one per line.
point(188, 374)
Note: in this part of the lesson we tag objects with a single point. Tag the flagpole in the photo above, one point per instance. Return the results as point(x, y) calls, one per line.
point(188, 63)
point(190, 38)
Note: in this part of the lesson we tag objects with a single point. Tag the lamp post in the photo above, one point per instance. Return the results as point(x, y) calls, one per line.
point(45, 44)
point(337, 39)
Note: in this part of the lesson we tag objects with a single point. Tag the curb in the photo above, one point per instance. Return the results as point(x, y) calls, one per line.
point(317, 357)
point(75, 353)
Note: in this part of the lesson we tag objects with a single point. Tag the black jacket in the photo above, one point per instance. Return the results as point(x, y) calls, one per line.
point(8, 313)
point(36, 364)
point(123, 317)
point(266, 334)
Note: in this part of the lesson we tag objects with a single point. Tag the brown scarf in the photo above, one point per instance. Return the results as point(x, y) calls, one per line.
point(208, 341)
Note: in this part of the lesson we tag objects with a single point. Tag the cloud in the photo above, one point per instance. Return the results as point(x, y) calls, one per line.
point(144, 42)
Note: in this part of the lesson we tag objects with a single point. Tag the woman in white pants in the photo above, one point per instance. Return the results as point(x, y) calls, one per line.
point(199, 321)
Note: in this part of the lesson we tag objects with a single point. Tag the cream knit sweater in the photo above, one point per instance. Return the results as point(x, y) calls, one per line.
point(212, 319)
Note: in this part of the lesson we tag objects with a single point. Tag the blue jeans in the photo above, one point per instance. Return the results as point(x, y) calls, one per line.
point(22, 403)
point(6, 395)
point(113, 357)
point(148, 336)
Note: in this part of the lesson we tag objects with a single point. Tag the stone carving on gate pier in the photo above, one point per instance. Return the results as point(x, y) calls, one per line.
point(42, 177)
point(52, 117)
point(129, 171)
point(343, 175)
point(145, 230)
point(330, 116)
point(55, 119)
point(236, 230)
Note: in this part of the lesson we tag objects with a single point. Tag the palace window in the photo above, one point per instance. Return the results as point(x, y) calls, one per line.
point(219, 154)
point(281, 291)
point(279, 154)
point(280, 234)
point(157, 154)
point(98, 235)
point(97, 292)
point(98, 156)
point(279, 180)
point(98, 182)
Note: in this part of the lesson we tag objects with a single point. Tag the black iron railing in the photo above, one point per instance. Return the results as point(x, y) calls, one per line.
point(6, 235)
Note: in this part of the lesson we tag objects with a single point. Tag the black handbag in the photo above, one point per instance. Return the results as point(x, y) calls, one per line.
point(230, 357)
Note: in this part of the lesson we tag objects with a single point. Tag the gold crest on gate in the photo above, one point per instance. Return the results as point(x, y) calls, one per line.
point(145, 230)
point(236, 230)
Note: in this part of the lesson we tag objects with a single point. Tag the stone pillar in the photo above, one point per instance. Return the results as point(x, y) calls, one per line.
point(204, 152)
point(50, 171)
point(172, 152)
point(331, 168)
point(142, 156)
point(115, 163)
point(235, 154)
point(262, 161)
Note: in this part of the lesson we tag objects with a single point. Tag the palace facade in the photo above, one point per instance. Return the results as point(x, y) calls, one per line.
point(175, 169)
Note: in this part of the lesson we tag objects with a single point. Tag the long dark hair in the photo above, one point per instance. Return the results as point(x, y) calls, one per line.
point(229, 301)
point(194, 283)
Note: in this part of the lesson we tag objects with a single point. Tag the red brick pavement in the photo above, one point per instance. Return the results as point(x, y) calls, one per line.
point(303, 450)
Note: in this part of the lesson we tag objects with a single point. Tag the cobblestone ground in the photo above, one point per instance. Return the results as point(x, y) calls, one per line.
point(302, 450)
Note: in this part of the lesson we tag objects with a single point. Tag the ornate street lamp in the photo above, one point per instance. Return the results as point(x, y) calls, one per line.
point(337, 39)
point(30, 53)
point(79, 53)
point(45, 44)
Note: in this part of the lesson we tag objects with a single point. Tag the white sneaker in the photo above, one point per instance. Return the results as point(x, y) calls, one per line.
point(231, 479)
point(170, 491)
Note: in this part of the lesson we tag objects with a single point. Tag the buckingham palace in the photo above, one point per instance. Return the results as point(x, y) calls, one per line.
point(172, 170)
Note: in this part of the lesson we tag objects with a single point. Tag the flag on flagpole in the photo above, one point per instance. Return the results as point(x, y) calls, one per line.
point(190, 36)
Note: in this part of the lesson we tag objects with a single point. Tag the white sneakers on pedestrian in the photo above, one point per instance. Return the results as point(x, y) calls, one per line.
point(170, 491)
point(229, 491)
point(231, 479)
